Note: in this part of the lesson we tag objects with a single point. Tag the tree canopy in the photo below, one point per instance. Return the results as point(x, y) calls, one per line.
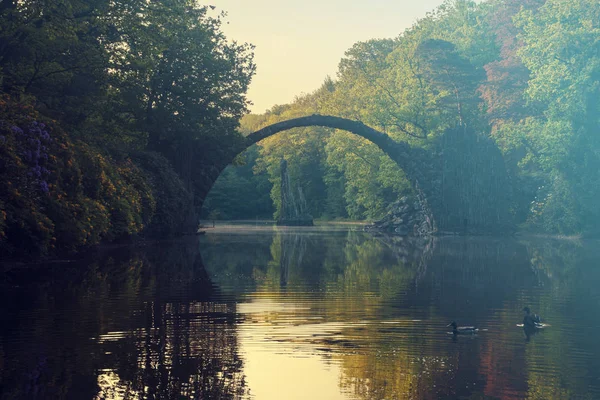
point(120, 115)
point(524, 73)
point(130, 88)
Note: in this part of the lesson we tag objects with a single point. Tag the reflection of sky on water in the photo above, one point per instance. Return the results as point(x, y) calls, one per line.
point(305, 313)
point(390, 302)
point(276, 367)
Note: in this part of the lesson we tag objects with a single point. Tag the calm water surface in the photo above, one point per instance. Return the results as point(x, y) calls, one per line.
point(309, 313)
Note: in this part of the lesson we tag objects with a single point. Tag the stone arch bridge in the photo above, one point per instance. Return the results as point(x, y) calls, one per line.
point(461, 176)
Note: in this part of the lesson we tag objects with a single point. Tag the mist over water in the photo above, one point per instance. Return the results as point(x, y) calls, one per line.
point(329, 312)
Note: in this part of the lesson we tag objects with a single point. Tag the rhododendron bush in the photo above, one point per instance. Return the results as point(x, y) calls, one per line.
point(58, 194)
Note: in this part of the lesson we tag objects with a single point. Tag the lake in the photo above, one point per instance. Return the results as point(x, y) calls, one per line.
point(328, 312)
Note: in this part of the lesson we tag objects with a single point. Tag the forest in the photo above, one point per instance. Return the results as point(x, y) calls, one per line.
point(115, 117)
point(523, 73)
point(107, 111)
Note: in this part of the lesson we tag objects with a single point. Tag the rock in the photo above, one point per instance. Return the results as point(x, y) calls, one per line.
point(406, 216)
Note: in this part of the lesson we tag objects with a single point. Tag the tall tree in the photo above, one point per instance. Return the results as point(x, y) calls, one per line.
point(52, 50)
point(176, 71)
point(562, 51)
point(453, 81)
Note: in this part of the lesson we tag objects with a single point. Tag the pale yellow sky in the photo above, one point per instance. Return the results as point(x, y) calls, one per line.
point(299, 43)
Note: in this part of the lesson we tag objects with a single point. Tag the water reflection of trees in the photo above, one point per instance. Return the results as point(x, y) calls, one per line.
point(183, 351)
point(489, 281)
point(143, 323)
point(351, 276)
point(340, 261)
point(152, 323)
point(566, 270)
point(485, 281)
point(414, 360)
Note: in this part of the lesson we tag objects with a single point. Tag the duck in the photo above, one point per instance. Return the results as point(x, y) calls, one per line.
point(462, 330)
point(531, 320)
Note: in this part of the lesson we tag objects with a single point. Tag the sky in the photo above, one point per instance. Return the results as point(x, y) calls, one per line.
point(300, 42)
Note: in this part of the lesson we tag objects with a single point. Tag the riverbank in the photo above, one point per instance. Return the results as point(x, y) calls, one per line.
point(244, 226)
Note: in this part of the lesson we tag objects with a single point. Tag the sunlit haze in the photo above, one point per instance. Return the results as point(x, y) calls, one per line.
point(299, 43)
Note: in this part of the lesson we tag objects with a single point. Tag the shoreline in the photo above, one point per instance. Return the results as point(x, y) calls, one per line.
point(230, 226)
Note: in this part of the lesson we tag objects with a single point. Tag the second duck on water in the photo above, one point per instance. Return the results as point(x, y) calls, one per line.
point(462, 330)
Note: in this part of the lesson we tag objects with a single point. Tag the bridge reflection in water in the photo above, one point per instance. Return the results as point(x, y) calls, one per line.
point(304, 313)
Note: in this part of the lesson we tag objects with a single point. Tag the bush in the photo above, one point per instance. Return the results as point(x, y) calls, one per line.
point(173, 201)
point(57, 194)
point(24, 173)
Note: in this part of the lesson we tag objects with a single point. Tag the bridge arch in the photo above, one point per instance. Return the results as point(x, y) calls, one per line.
point(462, 178)
point(382, 140)
point(402, 153)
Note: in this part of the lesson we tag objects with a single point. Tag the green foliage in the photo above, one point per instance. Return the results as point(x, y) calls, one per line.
point(414, 88)
point(239, 193)
point(525, 72)
point(372, 179)
point(63, 195)
point(561, 51)
point(111, 79)
point(168, 192)
point(302, 148)
point(176, 72)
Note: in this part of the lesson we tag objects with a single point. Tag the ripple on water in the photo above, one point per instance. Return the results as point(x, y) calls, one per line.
point(270, 314)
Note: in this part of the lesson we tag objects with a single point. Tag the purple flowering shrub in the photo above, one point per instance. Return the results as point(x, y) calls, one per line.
point(57, 194)
point(24, 227)
point(33, 142)
point(118, 200)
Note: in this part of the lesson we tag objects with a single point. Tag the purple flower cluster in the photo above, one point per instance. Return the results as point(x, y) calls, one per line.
point(34, 151)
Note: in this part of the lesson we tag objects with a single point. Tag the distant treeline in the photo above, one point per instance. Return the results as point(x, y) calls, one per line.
point(524, 72)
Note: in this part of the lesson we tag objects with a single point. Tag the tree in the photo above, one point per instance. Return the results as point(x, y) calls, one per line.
point(51, 50)
point(507, 77)
point(453, 81)
point(175, 71)
point(239, 193)
point(563, 54)
point(177, 77)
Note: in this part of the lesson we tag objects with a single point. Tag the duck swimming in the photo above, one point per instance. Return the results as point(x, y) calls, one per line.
point(531, 320)
point(462, 330)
